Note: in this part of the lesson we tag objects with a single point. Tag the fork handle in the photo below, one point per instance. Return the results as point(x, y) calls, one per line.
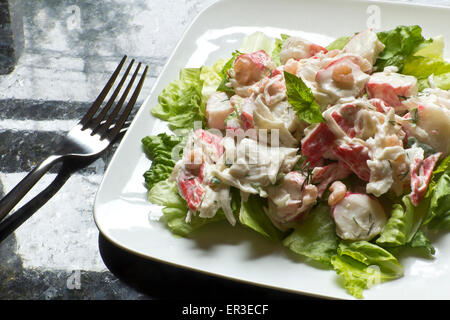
point(21, 189)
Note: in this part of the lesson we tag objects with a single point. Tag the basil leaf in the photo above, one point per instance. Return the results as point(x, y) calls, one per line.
point(302, 99)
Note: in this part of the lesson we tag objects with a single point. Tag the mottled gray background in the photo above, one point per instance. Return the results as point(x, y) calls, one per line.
point(71, 48)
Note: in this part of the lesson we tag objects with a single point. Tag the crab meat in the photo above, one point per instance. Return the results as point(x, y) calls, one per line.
point(358, 217)
point(248, 106)
point(345, 118)
point(298, 48)
point(291, 198)
point(323, 176)
point(430, 122)
point(251, 67)
point(391, 87)
point(218, 108)
point(317, 142)
point(210, 143)
point(366, 45)
point(421, 172)
point(191, 189)
point(355, 156)
point(380, 105)
point(342, 78)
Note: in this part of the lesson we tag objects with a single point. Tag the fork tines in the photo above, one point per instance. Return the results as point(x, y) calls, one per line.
point(106, 123)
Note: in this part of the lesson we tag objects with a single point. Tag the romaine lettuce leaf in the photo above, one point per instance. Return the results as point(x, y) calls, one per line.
point(165, 193)
point(211, 77)
point(441, 81)
point(420, 240)
point(423, 67)
point(426, 61)
point(181, 103)
point(257, 41)
point(433, 49)
point(339, 43)
point(225, 79)
point(439, 193)
point(159, 149)
point(363, 264)
point(253, 216)
point(277, 48)
point(404, 222)
point(439, 214)
point(315, 237)
point(400, 44)
point(302, 99)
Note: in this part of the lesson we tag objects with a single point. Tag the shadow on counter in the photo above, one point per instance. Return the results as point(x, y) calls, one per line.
point(161, 281)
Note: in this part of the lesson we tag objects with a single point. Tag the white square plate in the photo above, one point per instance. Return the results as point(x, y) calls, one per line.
point(126, 218)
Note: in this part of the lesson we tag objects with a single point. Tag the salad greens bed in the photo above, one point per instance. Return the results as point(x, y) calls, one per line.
point(361, 264)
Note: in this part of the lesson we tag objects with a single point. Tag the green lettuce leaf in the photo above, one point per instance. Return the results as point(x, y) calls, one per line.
point(400, 44)
point(439, 214)
point(404, 222)
point(441, 81)
point(159, 149)
point(257, 41)
point(253, 216)
point(211, 77)
point(181, 103)
point(363, 264)
point(439, 193)
point(339, 43)
point(420, 240)
point(225, 79)
point(165, 193)
point(422, 67)
point(315, 237)
point(427, 61)
point(277, 48)
point(302, 99)
point(433, 49)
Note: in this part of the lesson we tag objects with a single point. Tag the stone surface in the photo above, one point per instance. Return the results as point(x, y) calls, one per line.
point(11, 34)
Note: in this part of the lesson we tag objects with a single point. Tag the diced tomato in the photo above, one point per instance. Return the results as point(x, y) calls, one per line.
point(317, 143)
point(421, 172)
point(355, 156)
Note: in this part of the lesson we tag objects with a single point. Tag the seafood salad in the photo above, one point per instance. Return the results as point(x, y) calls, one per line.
point(339, 152)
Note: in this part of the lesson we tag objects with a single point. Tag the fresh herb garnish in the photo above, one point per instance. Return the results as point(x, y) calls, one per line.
point(224, 73)
point(215, 181)
point(414, 113)
point(302, 99)
point(403, 175)
point(370, 228)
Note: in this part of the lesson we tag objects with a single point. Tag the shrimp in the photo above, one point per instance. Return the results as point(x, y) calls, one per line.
point(338, 191)
point(291, 66)
point(250, 68)
point(342, 75)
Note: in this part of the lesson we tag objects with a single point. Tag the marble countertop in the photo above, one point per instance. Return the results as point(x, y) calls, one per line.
point(71, 48)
